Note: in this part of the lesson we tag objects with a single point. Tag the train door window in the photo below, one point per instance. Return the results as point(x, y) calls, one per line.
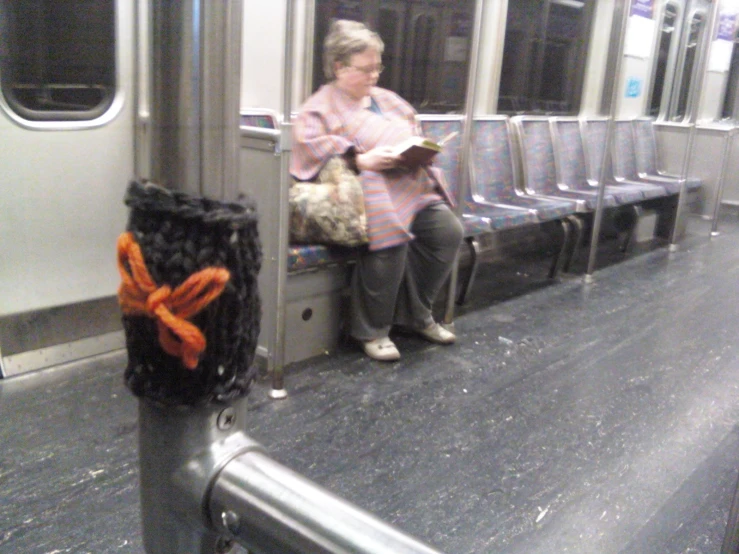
point(668, 32)
point(730, 104)
point(687, 69)
point(57, 58)
point(544, 55)
point(427, 45)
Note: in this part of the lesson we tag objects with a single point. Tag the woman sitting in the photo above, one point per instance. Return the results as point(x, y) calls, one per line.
point(413, 234)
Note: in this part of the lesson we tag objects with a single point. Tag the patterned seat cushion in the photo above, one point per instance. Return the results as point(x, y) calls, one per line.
point(303, 257)
point(260, 120)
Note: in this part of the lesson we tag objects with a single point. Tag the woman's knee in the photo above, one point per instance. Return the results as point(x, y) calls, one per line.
point(453, 229)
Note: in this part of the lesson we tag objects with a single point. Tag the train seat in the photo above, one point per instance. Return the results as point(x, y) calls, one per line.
point(540, 177)
point(624, 159)
point(595, 130)
point(647, 163)
point(478, 217)
point(495, 180)
point(495, 174)
point(572, 171)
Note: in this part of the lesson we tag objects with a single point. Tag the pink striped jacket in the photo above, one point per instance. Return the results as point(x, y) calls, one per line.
point(330, 122)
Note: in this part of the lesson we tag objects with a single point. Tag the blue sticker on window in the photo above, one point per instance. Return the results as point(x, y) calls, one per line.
point(633, 87)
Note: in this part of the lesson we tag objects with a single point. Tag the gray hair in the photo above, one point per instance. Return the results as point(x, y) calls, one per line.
point(346, 38)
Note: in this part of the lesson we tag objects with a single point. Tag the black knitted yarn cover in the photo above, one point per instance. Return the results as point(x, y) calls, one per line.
point(180, 234)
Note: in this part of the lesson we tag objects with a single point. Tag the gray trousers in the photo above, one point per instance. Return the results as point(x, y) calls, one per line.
point(398, 285)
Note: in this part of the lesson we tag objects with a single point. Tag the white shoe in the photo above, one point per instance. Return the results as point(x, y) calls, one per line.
point(437, 334)
point(382, 349)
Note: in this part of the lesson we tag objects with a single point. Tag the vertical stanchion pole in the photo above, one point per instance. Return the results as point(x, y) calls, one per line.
point(692, 113)
point(278, 390)
point(464, 180)
point(728, 140)
point(626, 7)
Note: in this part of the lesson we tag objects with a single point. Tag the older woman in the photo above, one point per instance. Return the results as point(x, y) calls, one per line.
point(414, 236)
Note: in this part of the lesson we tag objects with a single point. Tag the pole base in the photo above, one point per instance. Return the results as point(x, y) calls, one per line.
point(278, 394)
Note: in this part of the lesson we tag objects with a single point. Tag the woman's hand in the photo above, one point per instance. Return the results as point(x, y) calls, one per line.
point(377, 159)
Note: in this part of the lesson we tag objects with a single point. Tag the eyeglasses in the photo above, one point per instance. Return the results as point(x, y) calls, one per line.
point(369, 70)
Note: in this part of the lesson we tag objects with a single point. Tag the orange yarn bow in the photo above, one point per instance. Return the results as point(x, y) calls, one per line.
point(139, 295)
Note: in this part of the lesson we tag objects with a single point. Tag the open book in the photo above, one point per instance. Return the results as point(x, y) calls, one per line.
point(416, 151)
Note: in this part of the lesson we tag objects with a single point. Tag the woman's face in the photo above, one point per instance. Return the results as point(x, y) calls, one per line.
point(360, 75)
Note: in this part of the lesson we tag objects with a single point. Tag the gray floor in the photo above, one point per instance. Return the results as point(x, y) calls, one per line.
point(571, 418)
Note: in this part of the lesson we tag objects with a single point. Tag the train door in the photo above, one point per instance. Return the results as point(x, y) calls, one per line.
point(66, 130)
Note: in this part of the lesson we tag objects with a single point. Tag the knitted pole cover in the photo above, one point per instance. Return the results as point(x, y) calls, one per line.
point(179, 236)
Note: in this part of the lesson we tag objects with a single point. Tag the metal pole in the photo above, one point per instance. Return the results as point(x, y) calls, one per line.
point(179, 450)
point(728, 139)
point(278, 390)
point(700, 71)
point(464, 174)
point(626, 6)
point(195, 95)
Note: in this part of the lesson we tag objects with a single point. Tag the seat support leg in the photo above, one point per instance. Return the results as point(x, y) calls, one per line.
point(560, 256)
point(579, 230)
point(629, 226)
point(474, 247)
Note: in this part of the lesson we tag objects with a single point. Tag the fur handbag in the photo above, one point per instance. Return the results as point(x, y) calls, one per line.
point(330, 211)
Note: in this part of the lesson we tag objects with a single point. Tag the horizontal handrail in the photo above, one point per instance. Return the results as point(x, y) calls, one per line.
point(205, 482)
point(267, 508)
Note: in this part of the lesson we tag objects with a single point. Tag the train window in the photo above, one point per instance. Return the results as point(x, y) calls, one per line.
point(57, 58)
point(390, 25)
point(427, 45)
point(730, 104)
point(697, 24)
point(544, 55)
point(667, 34)
point(421, 63)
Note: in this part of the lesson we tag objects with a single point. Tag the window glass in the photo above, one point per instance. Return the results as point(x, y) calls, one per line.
point(57, 58)
point(667, 35)
point(427, 45)
point(729, 108)
point(697, 23)
point(544, 56)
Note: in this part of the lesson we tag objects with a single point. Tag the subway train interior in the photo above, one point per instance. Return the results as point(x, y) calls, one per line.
point(591, 401)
